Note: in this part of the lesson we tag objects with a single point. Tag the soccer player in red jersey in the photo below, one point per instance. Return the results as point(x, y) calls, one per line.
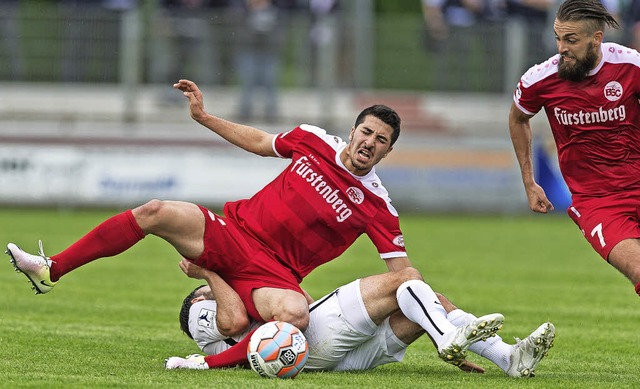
point(589, 91)
point(264, 246)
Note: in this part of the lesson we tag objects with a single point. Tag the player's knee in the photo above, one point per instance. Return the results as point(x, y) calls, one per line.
point(300, 321)
point(149, 209)
point(148, 214)
point(296, 314)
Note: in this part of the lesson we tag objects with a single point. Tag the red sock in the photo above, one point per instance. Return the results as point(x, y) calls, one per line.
point(234, 356)
point(638, 288)
point(112, 237)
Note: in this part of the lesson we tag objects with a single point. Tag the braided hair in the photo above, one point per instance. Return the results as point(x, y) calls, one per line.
point(592, 12)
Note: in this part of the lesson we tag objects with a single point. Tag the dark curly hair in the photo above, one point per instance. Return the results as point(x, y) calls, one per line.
point(384, 113)
point(184, 310)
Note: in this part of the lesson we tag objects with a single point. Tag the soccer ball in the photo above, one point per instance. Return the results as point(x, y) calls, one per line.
point(277, 350)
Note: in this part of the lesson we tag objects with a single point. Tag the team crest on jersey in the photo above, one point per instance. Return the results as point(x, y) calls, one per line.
point(205, 317)
point(355, 195)
point(613, 91)
point(399, 241)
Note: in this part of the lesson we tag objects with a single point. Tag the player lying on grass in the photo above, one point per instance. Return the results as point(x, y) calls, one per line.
point(356, 327)
point(418, 303)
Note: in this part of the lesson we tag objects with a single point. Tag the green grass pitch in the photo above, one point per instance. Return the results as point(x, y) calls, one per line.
point(112, 322)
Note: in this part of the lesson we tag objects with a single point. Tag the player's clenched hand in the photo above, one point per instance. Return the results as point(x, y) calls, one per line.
point(196, 104)
point(538, 201)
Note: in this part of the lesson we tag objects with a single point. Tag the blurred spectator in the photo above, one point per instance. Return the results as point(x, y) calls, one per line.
point(260, 41)
point(614, 7)
point(632, 24)
point(11, 47)
point(188, 41)
point(91, 38)
point(221, 60)
point(464, 37)
point(534, 15)
point(321, 34)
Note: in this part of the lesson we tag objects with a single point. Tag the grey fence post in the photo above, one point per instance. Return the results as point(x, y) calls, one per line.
point(364, 43)
point(514, 53)
point(130, 62)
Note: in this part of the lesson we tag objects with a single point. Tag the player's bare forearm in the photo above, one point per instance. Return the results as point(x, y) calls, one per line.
point(246, 137)
point(231, 315)
point(521, 138)
point(397, 263)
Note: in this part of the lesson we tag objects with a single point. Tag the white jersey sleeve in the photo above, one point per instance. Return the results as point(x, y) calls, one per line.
point(203, 328)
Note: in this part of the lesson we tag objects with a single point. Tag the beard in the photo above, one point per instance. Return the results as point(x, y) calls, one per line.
point(581, 68)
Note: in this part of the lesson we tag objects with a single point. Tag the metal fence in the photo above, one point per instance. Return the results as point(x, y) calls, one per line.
point(51, 42)
point(73, 134)
point(351, 48)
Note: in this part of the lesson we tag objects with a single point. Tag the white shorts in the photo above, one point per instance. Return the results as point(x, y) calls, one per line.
point(342, 336)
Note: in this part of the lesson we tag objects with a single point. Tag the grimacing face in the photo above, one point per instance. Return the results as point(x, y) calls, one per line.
point(579, 51)
point(368, 144)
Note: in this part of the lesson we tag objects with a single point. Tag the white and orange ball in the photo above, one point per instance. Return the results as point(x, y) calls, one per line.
point(277, 350)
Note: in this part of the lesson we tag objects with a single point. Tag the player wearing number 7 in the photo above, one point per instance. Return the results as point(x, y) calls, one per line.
point(589, 92)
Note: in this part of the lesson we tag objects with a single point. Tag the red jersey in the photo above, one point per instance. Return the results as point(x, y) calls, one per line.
point(315, 209)
point(595, 122)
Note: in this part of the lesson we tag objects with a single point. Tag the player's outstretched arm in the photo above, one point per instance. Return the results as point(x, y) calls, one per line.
point(246, 137)
point(521, 137)
point(231, 315)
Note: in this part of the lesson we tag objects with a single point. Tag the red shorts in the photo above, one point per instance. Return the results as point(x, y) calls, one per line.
point(606, 221)
point(242, 261)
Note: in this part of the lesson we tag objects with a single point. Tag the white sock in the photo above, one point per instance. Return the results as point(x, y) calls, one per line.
point(493, 349)
point(420, 304)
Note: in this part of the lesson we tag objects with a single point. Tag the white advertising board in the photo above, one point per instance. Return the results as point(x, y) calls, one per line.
point(89, 175)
